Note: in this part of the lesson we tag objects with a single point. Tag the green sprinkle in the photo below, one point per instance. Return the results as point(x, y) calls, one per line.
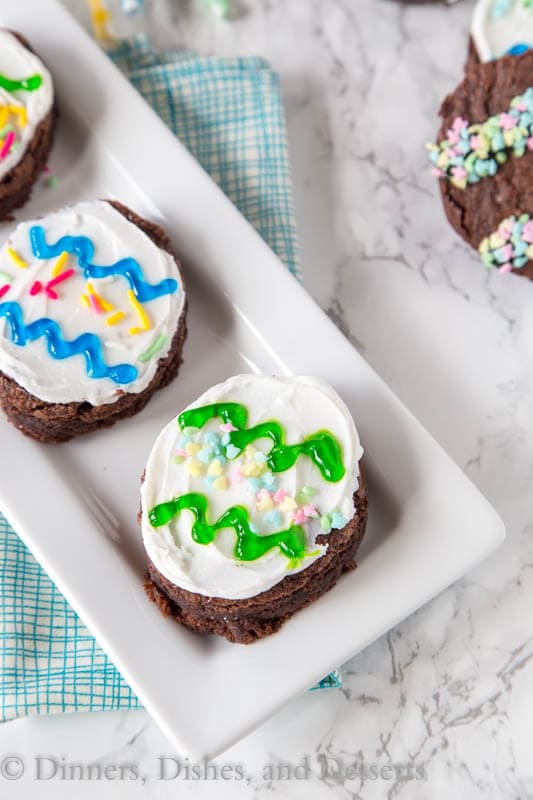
point(191, 430)
point(305, 494)
point(4, 277)
point(51, 182)
point(6, 129)
point(325, 522)
point(154, 348)
point(178, 459)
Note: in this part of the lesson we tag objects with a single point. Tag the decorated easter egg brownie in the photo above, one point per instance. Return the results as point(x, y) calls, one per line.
point(26, 120)
point(483, 159)
point(92, 319)
point(253, 504)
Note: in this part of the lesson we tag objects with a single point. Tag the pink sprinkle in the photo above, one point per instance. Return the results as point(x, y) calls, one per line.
point(507, 122)
point(452, 136)
point(5, 289)
point(179, 451)
point(507, 252)
point(36, 288)
point(521, 107)
point(451, 152)
point(50, 293)
point(459, 123)
point(527, 232)
point(236, 477)
point(227, 427)
point(437, 173)
point(299, 516)
point(92, 300)
point(46, 169)
point(476, 142)
point(279, 496)
point(310, 510)
point(60, 278)
point(505, 267)
point(8, 144)
point(459, 173)
point(261, 493)
point(505, 230)
point(530, 143)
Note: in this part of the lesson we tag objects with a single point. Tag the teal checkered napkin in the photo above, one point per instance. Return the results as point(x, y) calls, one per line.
point(228, 113)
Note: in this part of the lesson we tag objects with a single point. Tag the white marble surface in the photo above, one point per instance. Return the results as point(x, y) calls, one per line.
point(449, 689)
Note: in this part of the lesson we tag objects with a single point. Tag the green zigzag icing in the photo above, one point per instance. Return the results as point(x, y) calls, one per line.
point(249, 545)
point(321, 447)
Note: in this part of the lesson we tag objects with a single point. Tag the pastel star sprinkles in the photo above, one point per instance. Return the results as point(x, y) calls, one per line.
point(511, 246)
point(473, 152)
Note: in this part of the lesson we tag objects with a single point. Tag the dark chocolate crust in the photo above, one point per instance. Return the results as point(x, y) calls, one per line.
point(487, 89)
point(246, 621)
point(17, 184)
point(58, 422)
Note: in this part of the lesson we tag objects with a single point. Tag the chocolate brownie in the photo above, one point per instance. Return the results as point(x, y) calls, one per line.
point(477, 210)
point(27, 115)
point(59, 377)
point(245, 621)
point(268, 526)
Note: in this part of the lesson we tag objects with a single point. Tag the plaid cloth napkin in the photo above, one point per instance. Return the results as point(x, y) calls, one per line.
point(228, 112)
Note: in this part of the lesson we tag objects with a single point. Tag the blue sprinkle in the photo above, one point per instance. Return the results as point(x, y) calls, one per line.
point(232, 451)
point(205, 455)
point(273, 518)
point(254, 484)
point(184, 440)
point(517, 49)
point(260, 457)
point(270, 481)
point(337, 520)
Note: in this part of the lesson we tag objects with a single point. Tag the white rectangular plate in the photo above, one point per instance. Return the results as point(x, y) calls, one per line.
point(428, 524)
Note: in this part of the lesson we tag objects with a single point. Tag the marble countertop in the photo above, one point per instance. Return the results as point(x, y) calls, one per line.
point(448, 690)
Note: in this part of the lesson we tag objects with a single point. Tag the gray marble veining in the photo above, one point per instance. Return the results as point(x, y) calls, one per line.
point(449, 689)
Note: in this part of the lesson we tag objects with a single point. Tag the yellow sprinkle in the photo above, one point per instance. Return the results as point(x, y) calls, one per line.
point(17, 259)
point(105, 305)
point(191, 448)
point(143, 316)
point(266, 503)
point(86, 300)
point(114, 318)
point(221, 484)
point(215, 468)
point(194, 468)
point(251, 470)
point(20, 111)
point(288, 504)
point(60, 263)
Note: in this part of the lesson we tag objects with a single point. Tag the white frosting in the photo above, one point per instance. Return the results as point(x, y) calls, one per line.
point(114, 238)
point(18, 63)
point(303, 406)
point(495, 33)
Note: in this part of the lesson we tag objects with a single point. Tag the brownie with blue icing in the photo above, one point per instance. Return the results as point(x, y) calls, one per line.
point(92, 319)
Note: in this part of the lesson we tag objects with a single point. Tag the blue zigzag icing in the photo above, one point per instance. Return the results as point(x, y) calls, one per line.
point(83, 248)
point(87, 345)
